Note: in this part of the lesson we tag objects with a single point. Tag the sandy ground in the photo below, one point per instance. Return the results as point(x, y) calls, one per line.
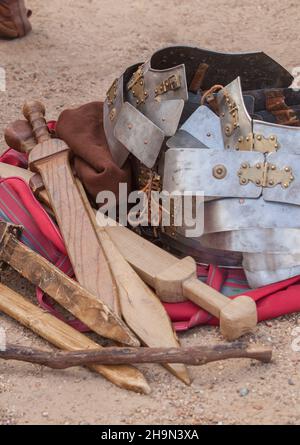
point(75, 51)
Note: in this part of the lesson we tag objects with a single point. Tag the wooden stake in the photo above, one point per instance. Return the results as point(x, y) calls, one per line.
point(65, 337)
point(195, 356)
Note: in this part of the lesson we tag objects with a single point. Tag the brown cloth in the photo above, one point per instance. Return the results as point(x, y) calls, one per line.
point(82, 129)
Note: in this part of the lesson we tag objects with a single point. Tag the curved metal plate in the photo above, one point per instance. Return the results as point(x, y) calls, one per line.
point(246, 214)
point(139, 135)
point(205, 126)
point(244, 128)
point(111, 112)
point(192, 170)
point(266, 261)
point(163, 109)
point(286, 241)
point(264, 277)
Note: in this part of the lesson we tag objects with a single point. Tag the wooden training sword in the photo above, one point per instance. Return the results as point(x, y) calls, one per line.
point(50, 158)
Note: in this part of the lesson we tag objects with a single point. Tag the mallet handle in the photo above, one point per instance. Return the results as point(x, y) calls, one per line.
point(34, 112)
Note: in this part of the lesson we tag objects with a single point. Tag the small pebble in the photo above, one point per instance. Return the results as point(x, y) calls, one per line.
point(291, 382)
point(244, 392)
point(45, 414)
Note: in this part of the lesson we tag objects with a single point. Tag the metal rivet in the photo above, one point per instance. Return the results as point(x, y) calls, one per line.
point(244, 165)
point(258, 137)
point(243, 181)
point(287, 169)
point(273, 167)
point(285, 185)
point(145, 142)
point(208, 135)
point(219, 171)
point(272, 138)
point(271, 182)
point(258, 166)
point(257, 182)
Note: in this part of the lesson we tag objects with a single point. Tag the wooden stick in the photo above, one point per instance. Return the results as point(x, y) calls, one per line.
point(140, 307)
point(195, 356)
point(65, 337)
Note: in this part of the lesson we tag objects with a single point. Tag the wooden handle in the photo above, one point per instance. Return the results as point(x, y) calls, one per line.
point(34, 112)
point(18, 135)
point(205, 296)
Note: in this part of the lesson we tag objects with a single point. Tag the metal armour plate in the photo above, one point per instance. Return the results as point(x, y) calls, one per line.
point(244, 128)
point(136, 132)
point(192, 170)
point(205, 126)
point(118, 151)
point(165, 115)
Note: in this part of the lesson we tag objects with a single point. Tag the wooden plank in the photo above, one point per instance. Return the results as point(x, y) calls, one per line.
point(65, 337)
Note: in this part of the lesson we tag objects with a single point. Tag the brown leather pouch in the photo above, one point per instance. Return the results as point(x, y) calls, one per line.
point(14, 19)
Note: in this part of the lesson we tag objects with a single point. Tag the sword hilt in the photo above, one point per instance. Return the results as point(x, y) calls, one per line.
point(34, 112)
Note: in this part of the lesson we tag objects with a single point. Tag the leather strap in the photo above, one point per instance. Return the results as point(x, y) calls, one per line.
point(276, 105)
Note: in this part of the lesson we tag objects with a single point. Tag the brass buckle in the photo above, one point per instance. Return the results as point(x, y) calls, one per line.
point(137, 86)
point(258, 142)
point(233, 112)
point(264, 174)
point(170, 84)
